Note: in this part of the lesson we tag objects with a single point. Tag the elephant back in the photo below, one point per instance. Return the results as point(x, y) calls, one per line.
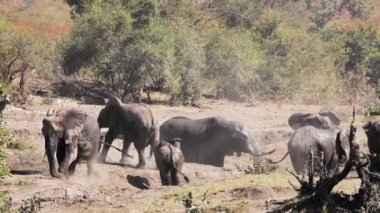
point(140, 114)
point(318, 120)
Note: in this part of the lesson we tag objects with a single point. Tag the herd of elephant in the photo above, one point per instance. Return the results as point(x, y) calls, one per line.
point(72, 135)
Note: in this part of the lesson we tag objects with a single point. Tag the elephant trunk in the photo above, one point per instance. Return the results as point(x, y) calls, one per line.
point(51, 148)
point(255, 149)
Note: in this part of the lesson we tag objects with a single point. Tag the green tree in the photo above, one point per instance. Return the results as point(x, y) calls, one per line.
point(325, 10)
point(299, 68)
point(4, 169)
point(185, 79)
point(128, 47)
point(363, 51)
point(20, 53)
point(232, 59)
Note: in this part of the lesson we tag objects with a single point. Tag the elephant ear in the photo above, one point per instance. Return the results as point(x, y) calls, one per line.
point(54, 120)
point(342, 145)
point(377, 126)
point(114, 101)
point(367, 126)
point(297, 120)
point(74, 121)
point(332, 116)
point(176, 142)
point(301, 119)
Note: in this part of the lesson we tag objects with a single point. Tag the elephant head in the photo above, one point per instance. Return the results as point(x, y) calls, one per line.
point(342, 145)
point(105, 118)
point(322, 120)
point(176, 142)
point(60, 128)
point(241, 140)
point(372, 130)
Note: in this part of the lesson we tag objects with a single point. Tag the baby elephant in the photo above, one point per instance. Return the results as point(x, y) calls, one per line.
point(169, 160)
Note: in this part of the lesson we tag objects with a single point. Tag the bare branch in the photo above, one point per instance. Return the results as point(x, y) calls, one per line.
point(296, 176)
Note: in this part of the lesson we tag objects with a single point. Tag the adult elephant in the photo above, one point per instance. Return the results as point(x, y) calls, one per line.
point(321, 120)
point(372, 130)
point(70, 132)
point(209, 140)
point(134, 121)
point(333, 143)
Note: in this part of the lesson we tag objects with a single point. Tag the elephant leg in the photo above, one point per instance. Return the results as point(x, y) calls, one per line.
point(72, 166)
point(65, 162)
point(165, 176)
point(71, 149)
point(332, 165)
point(110, 136)
point(214, 159)
point(219, 160)
point(140, 143)
point(126, 145)
point(140, 152)
point(90, 167)
point(51, 159)
point(61, 152)
point(174, 177)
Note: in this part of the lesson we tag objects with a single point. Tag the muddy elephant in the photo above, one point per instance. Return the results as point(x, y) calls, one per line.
point(372, 130)
point(169, 160)
point(333, 143)
point(321, 120)
point(209, 140)
point(69, 133)
point(135, 122)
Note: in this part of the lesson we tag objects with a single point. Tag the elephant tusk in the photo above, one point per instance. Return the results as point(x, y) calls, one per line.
point(49, 112)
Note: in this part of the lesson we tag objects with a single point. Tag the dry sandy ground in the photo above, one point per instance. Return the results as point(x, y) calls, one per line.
point(109, 190)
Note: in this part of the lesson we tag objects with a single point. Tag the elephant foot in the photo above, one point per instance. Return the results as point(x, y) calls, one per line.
point(102, 160)
point(140, 166)
point(57, 176)
point(123, 160)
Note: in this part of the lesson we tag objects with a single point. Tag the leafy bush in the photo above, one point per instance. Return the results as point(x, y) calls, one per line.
point(5, 202)
point(359, 8)
point(127, 48)
point(188, 203)
point(4, 169)
point(232, 59)
point(240, 50)
point(30, 205)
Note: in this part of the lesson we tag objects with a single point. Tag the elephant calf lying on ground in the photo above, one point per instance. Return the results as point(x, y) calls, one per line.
point(66, 132)
point(169, 160)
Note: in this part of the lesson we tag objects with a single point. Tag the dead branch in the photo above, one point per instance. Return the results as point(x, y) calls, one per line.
point(296, 176)
point(293, 203)
point(322, 190)
point(294, 187)
point(372, 173)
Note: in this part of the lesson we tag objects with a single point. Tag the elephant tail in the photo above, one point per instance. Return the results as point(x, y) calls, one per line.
point(287, 153)
point(172, 163)
point(154, 138)
point(264, 153)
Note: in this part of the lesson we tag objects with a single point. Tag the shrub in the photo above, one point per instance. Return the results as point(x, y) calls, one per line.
point(4, 169)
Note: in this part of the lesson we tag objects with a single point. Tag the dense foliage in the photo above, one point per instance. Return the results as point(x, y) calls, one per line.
point(287, 51)
point(21, 52)
point(4, 170)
